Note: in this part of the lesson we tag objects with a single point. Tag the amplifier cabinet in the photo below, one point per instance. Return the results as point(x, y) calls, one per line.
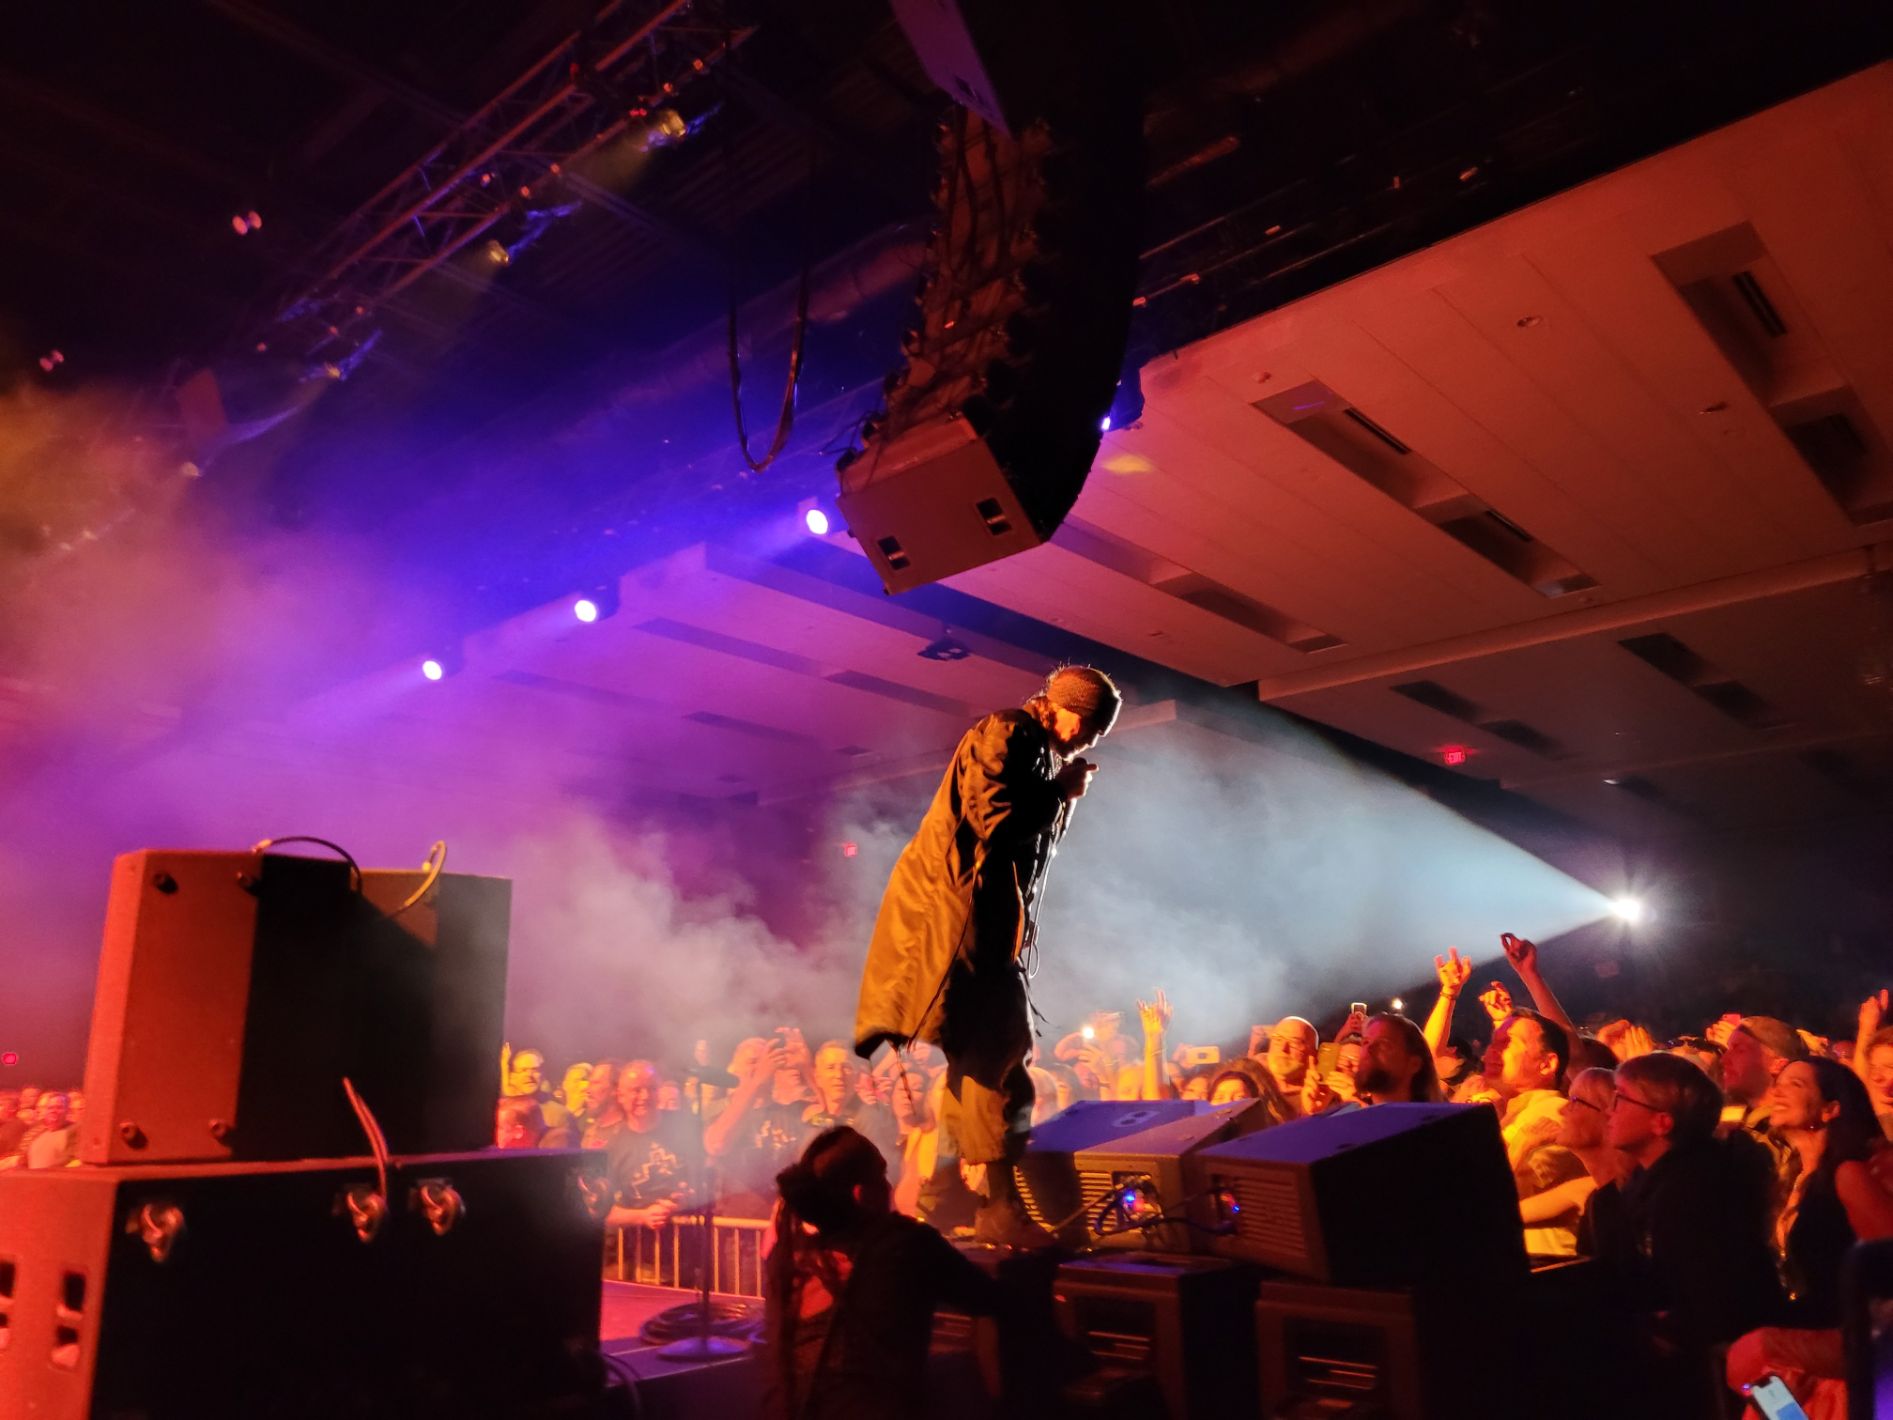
point(212, 1290)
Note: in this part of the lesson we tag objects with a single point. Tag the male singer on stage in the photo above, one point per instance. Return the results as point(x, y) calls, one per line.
point(954, 938)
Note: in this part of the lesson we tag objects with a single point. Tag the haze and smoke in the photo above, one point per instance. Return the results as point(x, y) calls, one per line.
point(154, 657)
point(1253, 878)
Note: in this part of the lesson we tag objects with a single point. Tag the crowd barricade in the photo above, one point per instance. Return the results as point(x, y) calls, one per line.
point(667, 1256)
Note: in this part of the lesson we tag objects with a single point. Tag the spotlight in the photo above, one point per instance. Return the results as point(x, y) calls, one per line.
point(1629, 910)
point(816, 521)
point(443, 663)
point(1397, 1004)
point(497, 253)
point(599, 603)
point(1127, 401)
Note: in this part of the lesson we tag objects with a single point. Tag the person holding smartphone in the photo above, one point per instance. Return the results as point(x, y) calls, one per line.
point(1827, 1115)
point(955, 941)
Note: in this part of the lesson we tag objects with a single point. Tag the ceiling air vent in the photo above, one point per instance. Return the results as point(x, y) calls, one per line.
point(1435, 696)
point(1749, 287)
point(1744, 304)
point(1379, 457)
point(1379, 433)
point(1637, 787)
point(1174, 580)
point(1667, 654)
point(1675, 661)
point(1840, 771)
point(1517, 732)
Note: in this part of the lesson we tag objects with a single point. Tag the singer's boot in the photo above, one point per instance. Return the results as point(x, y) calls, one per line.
point(1002, 1220)
point(945, 1201)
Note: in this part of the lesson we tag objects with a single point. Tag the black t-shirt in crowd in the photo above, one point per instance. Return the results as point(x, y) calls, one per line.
point(765, 1143)
point(660, 1162)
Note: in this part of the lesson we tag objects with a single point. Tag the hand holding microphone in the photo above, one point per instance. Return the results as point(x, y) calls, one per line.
point(1075, 778)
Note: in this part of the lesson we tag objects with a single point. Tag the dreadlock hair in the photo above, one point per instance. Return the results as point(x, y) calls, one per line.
point(818, 1193)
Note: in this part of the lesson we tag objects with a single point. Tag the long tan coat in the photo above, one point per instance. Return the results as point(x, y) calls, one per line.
point(941, 965)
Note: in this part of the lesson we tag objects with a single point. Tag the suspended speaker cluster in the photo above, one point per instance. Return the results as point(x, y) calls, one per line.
point(1014, 347)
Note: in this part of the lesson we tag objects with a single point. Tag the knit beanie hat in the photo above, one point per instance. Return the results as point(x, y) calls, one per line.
point(1086, 692)
point(1778, 1036)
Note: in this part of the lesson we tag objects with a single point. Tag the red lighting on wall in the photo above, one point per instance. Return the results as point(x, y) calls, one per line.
point(1454, 754)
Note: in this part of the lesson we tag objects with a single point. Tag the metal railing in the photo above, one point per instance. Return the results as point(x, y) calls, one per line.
point(667, 1256)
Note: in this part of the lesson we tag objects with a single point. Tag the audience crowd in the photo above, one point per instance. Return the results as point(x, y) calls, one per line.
point(39, 1129)
point(1718, 1178)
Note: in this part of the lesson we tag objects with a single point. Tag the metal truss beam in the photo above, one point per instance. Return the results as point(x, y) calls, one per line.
point(593, 87)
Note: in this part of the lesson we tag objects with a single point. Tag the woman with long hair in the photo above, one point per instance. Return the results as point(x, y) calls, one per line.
point(1826, 1114)
point(1244, 1079)
point(851, 1288)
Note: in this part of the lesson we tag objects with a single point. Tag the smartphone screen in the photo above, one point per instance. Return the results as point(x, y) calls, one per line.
point(1327, 1057)
point(1775, 1400)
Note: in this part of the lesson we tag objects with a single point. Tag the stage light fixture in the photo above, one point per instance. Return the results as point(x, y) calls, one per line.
point(945, 648)
point(816, 521)
point(1127, 400)
point(445, 662)
point(595, 604)
point(1454, 754)
point(1628, 910)
point(1397, 1005)
point(497, 253)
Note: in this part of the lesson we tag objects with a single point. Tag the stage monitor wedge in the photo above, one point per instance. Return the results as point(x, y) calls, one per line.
point(1080, 1163)
point(1394, 1195)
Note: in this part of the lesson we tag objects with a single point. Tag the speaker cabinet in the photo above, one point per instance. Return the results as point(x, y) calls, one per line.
point(232, 1290)
point(1184, 1321)
point(236, 991)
